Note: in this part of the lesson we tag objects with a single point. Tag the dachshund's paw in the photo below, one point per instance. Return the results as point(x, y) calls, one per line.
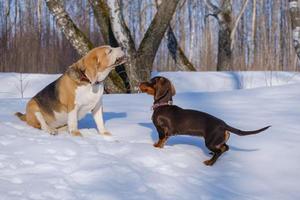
point(208, 163)
point(157, 145)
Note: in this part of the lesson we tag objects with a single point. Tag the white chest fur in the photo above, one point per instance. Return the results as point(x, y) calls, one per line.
point(87, 97)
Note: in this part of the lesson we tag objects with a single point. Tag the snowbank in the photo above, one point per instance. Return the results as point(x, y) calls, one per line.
point(12, 83)
point(35, 165)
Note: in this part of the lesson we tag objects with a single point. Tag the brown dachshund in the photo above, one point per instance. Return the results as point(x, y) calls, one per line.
point(172, 120)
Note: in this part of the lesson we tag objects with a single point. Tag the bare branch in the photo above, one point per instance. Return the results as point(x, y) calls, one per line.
point(213, 8)
point(236, 23)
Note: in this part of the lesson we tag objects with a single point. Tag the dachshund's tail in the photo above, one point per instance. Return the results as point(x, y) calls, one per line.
point(21, 116)
point(243, 133)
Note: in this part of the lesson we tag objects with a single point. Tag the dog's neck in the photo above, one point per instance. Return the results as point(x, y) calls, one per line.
point(163, 101)
point(157, 105)
point(79, 76)
point(83, 77)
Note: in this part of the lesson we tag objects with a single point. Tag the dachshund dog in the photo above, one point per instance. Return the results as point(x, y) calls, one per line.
point(172, 120)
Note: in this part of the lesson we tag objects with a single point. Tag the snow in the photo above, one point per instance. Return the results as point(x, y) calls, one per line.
point(35, 165)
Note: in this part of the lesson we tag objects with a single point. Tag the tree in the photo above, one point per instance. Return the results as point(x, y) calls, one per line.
point(253, 33)
point(295, 19)
point(224, 16)
point(79, 41)
point(227, 29)
point(101, 13)
point(178, 55)
point(181, 61)
point(140, 60)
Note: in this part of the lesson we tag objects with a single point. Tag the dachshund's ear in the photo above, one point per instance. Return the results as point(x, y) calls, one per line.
point(162, 89)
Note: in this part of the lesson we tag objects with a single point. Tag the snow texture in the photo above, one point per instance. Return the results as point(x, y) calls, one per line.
point(35, 165)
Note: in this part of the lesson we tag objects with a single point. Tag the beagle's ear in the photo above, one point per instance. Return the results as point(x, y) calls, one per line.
point(90, 68)
point(75, 70)
point(79, 65)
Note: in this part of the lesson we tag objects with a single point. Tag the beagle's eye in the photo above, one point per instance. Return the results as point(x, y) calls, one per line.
point(110, 50)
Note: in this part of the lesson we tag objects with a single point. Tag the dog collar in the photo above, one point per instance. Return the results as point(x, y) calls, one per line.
point(155, 106)
point(83, 77)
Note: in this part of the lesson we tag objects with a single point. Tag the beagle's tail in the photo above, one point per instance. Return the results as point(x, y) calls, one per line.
point(243, 133)
point(21, 116)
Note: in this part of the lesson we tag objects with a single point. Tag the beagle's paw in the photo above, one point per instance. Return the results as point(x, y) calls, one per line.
point(76, 133)
point(105, 133)
point(52, 131)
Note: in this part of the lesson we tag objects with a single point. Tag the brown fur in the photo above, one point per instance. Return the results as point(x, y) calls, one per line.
point(172, 120)
point(60, 95)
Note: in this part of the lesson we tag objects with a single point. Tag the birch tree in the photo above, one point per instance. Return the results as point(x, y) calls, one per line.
point(101, 13)
point(295, 19)
point(79, 41)
point(140, 60)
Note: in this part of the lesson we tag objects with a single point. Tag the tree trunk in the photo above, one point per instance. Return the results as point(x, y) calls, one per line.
point(101, 13)
point(224, 16)
point(79, 41)
point(181, 61)
point(253, 33)
point(153, 36)
point(177, 54)
point(123, 36)
point(140, 62)
point(295, 18)
point(224, 42)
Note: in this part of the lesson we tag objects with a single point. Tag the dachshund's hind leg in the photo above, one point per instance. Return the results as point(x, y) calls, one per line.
point(217, 150)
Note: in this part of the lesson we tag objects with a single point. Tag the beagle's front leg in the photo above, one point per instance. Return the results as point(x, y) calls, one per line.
point(98, 117)
point(73, 122)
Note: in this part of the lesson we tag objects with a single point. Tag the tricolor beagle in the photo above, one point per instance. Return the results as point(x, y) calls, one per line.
point(78, 91)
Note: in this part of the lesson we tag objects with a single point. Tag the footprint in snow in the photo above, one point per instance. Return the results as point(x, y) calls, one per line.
point(15, 192)
point(51, 151)
point(28, 162)
point(62, 158)
point(69, 152)
point(181, 165)
point(5, 142)
point(16, 126)
point(194, 181)
point(16, 180)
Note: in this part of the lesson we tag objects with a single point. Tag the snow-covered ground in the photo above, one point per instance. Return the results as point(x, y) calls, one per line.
point(35, 165)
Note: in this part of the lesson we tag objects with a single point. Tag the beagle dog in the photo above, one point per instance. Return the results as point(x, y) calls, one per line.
point(172, 120)
point(78, 91)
